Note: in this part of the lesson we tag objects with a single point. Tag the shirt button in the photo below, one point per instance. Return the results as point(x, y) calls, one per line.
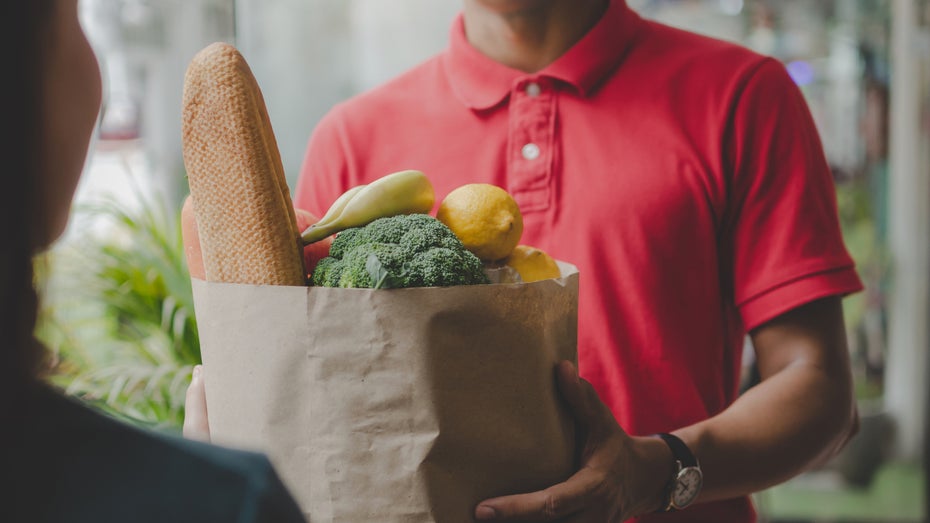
point(533, 89)
point(530, 151)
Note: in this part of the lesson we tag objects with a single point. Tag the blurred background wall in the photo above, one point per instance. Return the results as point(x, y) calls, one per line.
point(863, 65)
point(307, 55)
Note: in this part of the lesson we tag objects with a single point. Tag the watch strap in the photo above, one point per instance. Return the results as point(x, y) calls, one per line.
point(680, 451)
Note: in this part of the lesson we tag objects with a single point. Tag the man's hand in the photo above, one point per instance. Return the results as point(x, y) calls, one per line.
point(620, 476)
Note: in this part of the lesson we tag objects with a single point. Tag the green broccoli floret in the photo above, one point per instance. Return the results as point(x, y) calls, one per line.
point(382, 230)
point(327, 272)
point(429, 233)
point(414, 250)
point(442, 267)
point(357, 270)
point(347, 240)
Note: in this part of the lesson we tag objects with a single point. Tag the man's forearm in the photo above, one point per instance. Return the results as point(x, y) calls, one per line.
point(801, 413)
point(774, 431)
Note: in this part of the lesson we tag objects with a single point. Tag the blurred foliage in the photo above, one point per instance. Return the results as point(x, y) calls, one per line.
point(118, 315)
point(860, 202)
point(863, 234)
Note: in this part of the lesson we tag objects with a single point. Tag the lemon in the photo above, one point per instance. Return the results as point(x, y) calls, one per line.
point(485, 218)
point(533, 264)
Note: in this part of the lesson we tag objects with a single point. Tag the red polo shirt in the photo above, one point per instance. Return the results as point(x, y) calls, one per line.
point(682, 175)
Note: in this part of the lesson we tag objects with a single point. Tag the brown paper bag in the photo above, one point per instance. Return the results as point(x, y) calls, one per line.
point(393, 405)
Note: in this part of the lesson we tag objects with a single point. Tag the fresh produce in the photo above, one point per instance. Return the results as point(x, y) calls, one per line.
point(336, 208)
point(532, 264)
point(485, 217)
point(403, 192)
point(247, 226)
point(411, 250)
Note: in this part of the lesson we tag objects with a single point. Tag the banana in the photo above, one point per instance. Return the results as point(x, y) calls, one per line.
point(338, 206)
point(403, 192)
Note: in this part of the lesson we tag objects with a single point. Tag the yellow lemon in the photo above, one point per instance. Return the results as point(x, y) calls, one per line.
point(485, 218)
point(532, 264)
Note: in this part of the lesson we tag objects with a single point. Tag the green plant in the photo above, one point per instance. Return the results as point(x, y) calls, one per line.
point(862, 217)
point(118, 314)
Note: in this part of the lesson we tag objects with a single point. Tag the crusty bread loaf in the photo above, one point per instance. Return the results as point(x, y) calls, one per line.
point(245, 218)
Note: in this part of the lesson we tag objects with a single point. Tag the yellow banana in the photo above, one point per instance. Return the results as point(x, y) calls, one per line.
point(338, 206)
point(403, 192)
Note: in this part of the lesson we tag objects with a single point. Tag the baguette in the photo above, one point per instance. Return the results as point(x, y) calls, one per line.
point(245, 219)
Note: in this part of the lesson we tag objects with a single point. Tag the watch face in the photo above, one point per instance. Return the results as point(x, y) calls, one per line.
point(687, 487)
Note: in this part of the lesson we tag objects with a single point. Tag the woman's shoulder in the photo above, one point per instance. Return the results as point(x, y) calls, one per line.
point(75, 461)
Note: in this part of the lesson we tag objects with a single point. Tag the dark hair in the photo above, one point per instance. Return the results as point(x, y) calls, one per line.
point(23, 37)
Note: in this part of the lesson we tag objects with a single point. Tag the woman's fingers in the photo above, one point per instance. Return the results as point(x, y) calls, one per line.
point(191, 240)
point(196, 425)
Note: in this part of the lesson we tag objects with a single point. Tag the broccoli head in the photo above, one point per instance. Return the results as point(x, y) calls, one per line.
point(357, 264)
point(327, 273)
point(413, 250)
point(437, 266)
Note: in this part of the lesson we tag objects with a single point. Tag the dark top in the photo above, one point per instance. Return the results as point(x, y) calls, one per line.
point(62, 462)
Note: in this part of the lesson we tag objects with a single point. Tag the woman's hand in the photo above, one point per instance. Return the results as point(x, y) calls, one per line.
point(195, 404)
point(620, 476)
point(196, 425)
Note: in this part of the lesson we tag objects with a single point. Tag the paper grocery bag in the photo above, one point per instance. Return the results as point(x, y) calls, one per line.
point(397, 404)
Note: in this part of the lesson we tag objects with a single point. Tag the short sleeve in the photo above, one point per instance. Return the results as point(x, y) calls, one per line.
point(784, 232)
point(324, 174)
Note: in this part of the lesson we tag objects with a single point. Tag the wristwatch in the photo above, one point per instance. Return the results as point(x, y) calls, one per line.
point(686, 482)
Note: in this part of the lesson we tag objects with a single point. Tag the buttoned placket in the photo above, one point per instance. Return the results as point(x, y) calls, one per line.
point(531, 148)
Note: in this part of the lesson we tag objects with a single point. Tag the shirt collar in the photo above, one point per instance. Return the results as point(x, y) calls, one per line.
point(481, 83)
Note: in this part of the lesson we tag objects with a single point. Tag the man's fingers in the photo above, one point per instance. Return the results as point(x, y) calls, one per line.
point(196, 425)
point(578, 393)
point(555, 502)
point(588, 490)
